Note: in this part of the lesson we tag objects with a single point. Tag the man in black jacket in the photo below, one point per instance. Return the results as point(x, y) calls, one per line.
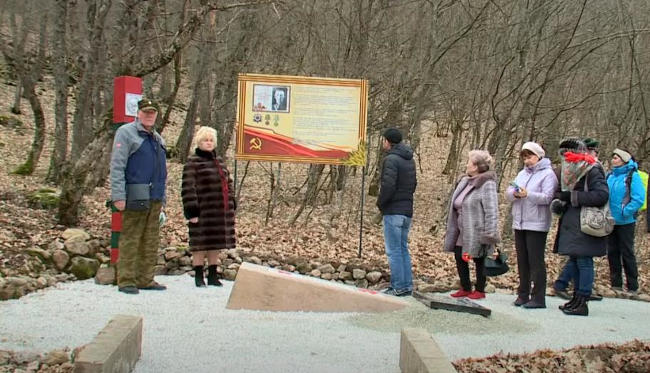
point(395, 201)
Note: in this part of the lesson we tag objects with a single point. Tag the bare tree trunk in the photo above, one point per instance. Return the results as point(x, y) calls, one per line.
point(315, 172)
point(82, 125)
point(60, 149)
point(273, 195)
point(75, 176)
point(339, 178)
point(28, 167)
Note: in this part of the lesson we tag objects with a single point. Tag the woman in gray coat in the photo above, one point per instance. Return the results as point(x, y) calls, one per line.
point(472, 222)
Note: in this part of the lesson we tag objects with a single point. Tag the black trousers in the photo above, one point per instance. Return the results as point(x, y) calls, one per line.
point(463, 271)
point(530, 246)
point(620, 247)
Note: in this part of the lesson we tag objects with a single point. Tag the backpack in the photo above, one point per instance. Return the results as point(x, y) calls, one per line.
point(644, 179)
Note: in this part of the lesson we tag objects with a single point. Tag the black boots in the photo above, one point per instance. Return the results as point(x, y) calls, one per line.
point(198, 276)
point(579, 308)
point(212, 276)
point(570, 303)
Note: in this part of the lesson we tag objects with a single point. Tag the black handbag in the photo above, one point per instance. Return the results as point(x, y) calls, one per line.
point(498, 266)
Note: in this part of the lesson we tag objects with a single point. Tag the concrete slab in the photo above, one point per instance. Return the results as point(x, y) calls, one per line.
point(419, 353)
point(115, 349)
point(269, 289)
point(452, 304)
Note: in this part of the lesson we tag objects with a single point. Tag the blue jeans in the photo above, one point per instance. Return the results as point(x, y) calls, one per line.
point(396, 232)
point(580, 269)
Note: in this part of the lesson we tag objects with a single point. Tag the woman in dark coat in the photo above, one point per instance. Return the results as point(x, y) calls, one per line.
point(209, 205)
point(578, 168)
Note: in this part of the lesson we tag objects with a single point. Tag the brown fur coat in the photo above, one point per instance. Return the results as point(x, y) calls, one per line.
point(204, 196)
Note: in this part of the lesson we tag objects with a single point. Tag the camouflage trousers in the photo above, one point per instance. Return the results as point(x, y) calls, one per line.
point(139, 243)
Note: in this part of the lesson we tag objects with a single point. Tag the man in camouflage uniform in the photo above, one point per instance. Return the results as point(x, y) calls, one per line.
point(138, 180)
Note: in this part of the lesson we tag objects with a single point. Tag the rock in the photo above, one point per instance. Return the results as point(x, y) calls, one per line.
point(358, 274)
point(314, 264)
point(56, 357)
point(16, 281)
point(77, 247)
point(288, 268)
point(40, 253)
point(60, 259)
point(24, 357)
point(273, 263)
point(254, 260)
point(326, 276)
point(426, 288)
point(105, 276)
point(95, 246)
point(185, 261)
point(75, 233)
point(55, 245)
point(33, 366)
point(373, 277)
point(341, 268)
point(5, 357)
point(489, 288)
point(361, 283)
point(44, 198)
point(41, 282)
point(234, 266)
point(327, 268)
point(315, 273)
point(303, 267)
point(83, 268)
point(644, 297)
point(345, 276)
point(229, 274)
point(171, 255)
point(159, 270)
point(103, 259)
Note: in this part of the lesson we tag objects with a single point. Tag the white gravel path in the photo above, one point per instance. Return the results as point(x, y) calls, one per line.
point(189, 330)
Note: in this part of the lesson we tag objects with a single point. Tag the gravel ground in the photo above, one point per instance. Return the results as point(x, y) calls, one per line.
point(189, 329)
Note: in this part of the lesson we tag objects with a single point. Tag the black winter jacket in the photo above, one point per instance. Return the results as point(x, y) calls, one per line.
point(398, 182)
point(570, 240)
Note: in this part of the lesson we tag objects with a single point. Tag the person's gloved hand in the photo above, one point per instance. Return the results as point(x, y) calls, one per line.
point(162, 218)
point(564, 196)
point(558, 207)
point(467, 257)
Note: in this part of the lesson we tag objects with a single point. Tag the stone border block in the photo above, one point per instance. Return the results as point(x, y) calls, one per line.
point(116, 348)
point(419, 353)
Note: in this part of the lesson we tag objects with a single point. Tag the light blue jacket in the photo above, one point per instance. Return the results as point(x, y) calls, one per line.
point(617, 189)
point(533, 213)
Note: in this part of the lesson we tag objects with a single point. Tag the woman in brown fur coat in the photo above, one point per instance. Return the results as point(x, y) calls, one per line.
point(209, 205)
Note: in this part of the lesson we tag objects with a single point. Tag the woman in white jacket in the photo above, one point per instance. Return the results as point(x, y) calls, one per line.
point(531, 194)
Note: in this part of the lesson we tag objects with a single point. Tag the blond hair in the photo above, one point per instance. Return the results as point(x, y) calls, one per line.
point(204, 133)
point(482, 159)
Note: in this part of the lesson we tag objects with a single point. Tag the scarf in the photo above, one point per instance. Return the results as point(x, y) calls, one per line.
point(574, 167)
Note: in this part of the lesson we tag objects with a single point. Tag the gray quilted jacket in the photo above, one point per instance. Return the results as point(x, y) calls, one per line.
point(480, 217)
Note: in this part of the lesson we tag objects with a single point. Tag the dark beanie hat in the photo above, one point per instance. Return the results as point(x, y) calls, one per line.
point(573, 143)
point(393, 135)
point(591, 143)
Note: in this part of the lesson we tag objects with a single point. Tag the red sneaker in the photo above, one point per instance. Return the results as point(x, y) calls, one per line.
point(461, 293)
point(476, 295)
